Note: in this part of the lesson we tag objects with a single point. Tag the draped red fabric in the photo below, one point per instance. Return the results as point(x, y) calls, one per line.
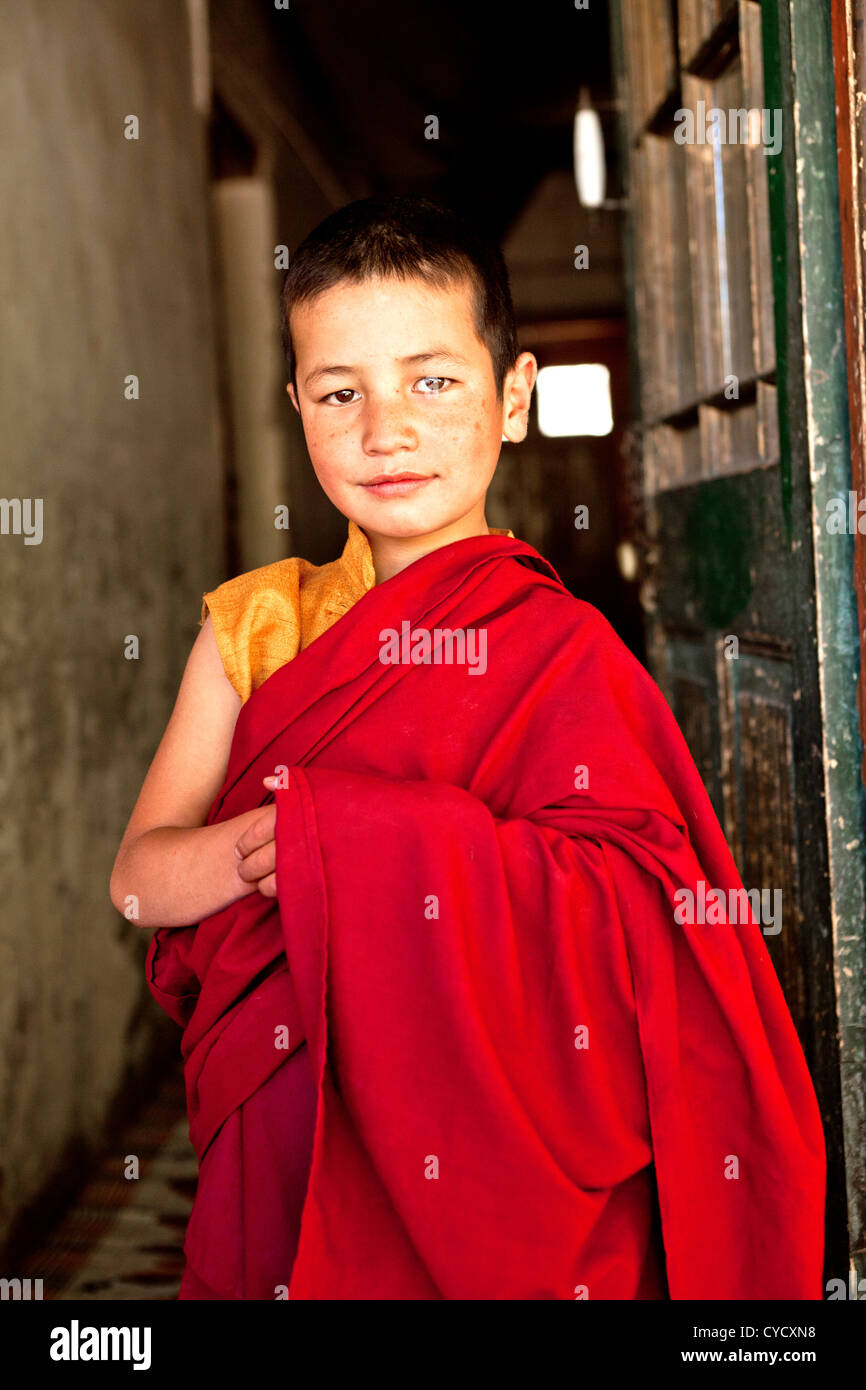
point(521, 1057)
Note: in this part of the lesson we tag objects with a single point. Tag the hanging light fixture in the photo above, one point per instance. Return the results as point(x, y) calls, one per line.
point(590, 171)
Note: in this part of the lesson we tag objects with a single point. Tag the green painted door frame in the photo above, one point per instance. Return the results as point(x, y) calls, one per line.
point(816, 462)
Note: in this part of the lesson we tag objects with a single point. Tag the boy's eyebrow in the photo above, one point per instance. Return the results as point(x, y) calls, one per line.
point(416, 357)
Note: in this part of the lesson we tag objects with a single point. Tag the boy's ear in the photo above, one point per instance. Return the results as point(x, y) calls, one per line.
point(521, 385)
point(292, 397)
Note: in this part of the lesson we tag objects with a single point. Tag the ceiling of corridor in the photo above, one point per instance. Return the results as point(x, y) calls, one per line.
point(503, 83)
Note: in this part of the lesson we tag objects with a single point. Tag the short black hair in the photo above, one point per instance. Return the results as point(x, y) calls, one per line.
point(405, 236)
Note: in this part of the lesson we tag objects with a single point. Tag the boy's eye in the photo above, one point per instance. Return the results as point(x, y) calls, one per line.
point(344, 391)
point(434, 378)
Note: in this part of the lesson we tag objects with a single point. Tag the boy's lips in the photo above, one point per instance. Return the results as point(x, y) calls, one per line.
point(397, 484)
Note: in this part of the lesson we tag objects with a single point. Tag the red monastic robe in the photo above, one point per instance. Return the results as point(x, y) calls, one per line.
point(471, 1051)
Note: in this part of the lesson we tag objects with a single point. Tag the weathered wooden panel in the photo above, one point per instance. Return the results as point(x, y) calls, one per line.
point(768, 424)
point(666, 319)
point(757, 188)
point(692, 705)
point(735, 715)
point(672, 456)
point(767, 816)
point(696, 21)
point(719, 240)
point(651, 57)
point(690, 684)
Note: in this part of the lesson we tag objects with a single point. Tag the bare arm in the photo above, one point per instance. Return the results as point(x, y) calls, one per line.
point(178, 869)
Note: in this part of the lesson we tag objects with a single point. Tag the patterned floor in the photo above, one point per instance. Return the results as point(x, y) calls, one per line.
point(123, 1239)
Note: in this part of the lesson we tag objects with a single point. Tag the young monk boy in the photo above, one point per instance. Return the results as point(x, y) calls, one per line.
point(416, 840)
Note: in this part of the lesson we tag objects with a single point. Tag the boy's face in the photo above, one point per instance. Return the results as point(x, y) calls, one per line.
point(376, 412)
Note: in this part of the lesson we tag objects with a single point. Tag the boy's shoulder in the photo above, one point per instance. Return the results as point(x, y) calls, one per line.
point(334, 584)
point(263, 617)
point(276, 586)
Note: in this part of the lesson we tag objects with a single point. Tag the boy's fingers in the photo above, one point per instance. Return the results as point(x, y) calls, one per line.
point(257, 864)
point(268, 886)
point(257, 834)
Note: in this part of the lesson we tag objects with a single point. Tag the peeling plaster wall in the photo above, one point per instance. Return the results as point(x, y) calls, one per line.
point(104, 271)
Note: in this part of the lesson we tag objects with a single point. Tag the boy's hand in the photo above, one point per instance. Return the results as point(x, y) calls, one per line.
point(256, 850)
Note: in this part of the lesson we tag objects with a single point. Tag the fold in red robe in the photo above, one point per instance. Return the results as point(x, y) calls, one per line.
point(516, 1047)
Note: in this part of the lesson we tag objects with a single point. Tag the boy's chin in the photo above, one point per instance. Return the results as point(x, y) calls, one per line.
point(404, 528)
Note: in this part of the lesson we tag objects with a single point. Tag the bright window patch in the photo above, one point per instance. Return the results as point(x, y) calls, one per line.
point(574, 399)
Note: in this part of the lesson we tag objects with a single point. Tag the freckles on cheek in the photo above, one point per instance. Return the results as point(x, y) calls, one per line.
point(471, 425)
point(327, 435)
point(471, 419)
point(484, 422)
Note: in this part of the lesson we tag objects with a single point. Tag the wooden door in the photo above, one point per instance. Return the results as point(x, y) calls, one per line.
point(739, 370)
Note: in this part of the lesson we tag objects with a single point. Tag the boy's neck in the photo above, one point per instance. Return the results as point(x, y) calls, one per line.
point(391, 554)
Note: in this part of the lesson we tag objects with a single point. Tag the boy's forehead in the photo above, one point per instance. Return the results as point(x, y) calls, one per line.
point(410, 297)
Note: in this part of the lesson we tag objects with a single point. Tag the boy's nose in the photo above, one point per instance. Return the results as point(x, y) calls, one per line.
point(387, 425)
